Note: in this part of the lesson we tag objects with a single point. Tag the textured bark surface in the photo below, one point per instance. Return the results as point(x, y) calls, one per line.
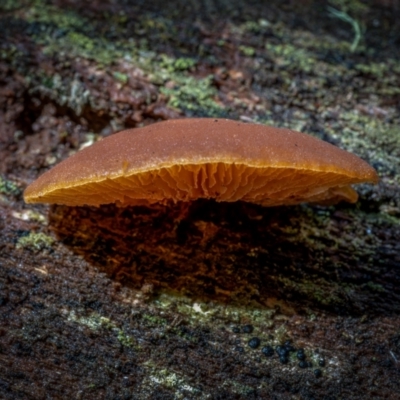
point(186, 301)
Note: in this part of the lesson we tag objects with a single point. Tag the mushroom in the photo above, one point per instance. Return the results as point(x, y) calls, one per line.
point(188, 159)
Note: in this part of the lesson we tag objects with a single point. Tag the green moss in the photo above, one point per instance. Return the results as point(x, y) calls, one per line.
point(81, 45)
point(163, 377)
point(96, 322)
point(389, 215)
point(9, 188)
point(291, 57)
point(354, 7)
point(35, 241)
point(376, 69)
point(125, 340)
point(51, 15)
point(10, 5)
point(375, 287)
point(390, 91)
point(371, 139)
point(194, 96)
point(66, 32)
point(200, 312)
point(154, 319)
point(123, 78)
point(81, 42)
point(176, 64)
point(247, 51)
point(70, 92)
point(255, 26)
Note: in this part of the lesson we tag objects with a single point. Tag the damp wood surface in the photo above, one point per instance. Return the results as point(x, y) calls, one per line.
point(192, 300)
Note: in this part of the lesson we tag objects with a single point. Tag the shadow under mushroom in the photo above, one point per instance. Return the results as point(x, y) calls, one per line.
point(229, 252)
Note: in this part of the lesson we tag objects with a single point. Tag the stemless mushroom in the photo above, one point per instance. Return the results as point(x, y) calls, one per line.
point(188, 159)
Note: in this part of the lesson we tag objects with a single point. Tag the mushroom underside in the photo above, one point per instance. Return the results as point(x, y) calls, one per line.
point(268, 186)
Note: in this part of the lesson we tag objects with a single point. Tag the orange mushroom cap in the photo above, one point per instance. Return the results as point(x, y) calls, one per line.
point(187, 159)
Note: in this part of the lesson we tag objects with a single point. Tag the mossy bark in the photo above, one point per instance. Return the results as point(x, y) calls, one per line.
point(152, 302)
